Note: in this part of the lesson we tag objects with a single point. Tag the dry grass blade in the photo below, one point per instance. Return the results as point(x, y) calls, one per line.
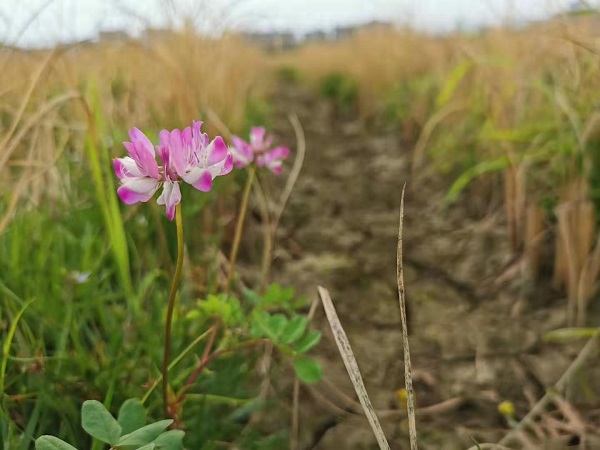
point(410, 400)
point(298, 162)
point(19, 115)
point(9, 146)
point(352, 367)
point(428, 129)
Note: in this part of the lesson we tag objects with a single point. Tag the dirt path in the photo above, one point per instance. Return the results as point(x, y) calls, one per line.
point(476, 339)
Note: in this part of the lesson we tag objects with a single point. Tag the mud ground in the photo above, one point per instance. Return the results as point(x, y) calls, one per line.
point(475, 326)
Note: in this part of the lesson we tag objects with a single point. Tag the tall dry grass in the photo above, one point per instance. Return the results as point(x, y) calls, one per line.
point(172, 79)
point(503, 106)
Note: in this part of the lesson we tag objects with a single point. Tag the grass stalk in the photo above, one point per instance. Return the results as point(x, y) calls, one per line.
point(239, 227)
point(410, 398)
point(170, 308)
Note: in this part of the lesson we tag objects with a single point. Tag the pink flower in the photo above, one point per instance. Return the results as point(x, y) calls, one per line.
point(257, 149)
point(139, 173)
point(189, 156)
point(196, 159)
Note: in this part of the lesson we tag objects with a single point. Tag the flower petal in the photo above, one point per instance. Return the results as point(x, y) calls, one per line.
point(257, 136)
point(238, 142)
point(170, 197)
point(241, 152)
point(126, 168)
point(276, 168)
point(177, 153)
point(196, 126)
point(147, 162)
point(136, 190)
point(204, 183)
point(137, 136)
point(141, 185)
point(193, 175)
point(164, 138)
point(219, 151)
point(278, 153)
point(227, 165)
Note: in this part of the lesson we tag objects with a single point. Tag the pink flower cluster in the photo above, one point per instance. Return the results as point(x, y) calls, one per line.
point(258, 150)
point(187, 155)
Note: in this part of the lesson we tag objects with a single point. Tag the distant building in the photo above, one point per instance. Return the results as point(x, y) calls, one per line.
point(580, 6)
point(377, 25)
point(345, 32)
point(316, 36)
point(273, 42)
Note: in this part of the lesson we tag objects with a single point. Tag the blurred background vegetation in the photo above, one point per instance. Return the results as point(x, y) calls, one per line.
point(508, 113)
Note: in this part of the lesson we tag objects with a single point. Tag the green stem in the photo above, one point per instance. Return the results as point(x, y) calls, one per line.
point(173, 363)
point(239, 227)
point(170, 307)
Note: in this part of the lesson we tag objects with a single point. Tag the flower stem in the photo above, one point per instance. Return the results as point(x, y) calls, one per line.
point(170, 307)
point(239, 227)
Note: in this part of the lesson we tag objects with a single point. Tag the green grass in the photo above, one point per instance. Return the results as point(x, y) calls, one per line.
point(83, 287)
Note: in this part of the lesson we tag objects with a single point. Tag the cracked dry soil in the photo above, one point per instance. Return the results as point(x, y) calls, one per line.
point(476, 338)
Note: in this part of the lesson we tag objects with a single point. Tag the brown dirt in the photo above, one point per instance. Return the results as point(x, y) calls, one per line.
point(475, 334)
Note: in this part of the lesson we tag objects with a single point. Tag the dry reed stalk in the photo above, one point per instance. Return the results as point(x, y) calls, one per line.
point(345, 349)
point(410, 399)
point(514, 202)
point(576, 230)
point(587, 285)
point(534, 233)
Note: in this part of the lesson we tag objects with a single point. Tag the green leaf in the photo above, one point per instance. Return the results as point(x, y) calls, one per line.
point(226, 308)
point(132, 415)
point(252, 297)
point(277, 324)
point(308, 370)
point(470, 174)
point(260, 324)
point(52, 443)
point(452, 82)
point(264, 324)
point(276, 295)
point(150, 446)
point(308, 341)
point(146, 434)
point(294, 329)
point(171, 440)
point(99, 423)
point(570, 334)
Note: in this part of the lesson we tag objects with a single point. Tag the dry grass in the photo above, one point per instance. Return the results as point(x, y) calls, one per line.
point(149, 85)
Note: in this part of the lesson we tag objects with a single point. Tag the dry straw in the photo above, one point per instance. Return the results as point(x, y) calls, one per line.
point(352, 367)
point(345, 350)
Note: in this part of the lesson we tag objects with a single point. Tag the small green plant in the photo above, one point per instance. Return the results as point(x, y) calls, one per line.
point(129, 431)
point(341, 89)
point(288, 74)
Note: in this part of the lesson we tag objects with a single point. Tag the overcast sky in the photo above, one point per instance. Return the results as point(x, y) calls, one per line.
point(44, 22)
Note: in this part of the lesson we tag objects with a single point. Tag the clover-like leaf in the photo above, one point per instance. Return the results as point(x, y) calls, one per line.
point(308, 341)
point(294, 329)
point(277, 324)
point(308, 370)
point(47, 442)
point(132, 415)
point(150, 446)
point(144, 435)
point(99, 423)
point(170, 440)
